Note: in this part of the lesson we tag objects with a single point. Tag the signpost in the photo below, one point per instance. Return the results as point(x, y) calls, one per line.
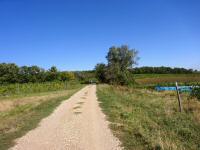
point(179, 98)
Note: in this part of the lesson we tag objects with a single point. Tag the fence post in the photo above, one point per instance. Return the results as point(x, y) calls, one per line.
point(179, 98)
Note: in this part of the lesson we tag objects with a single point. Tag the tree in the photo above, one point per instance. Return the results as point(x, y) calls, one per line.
point(24, 75)
point(52, 74)
point(34, 73)
point(8, 73)
point(122, 56)
point(120, 60)
point(100, 71)
point(66, 76)
point(70, 75)
point(53, 69)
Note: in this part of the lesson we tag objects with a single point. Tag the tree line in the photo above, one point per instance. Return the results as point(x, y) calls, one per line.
point(120, 67)
point(11, 73)
point(162, 70)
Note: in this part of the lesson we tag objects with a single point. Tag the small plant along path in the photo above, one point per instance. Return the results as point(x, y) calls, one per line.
point(77, 124)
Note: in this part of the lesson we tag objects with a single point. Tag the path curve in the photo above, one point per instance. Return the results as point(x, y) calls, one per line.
point(77, 124)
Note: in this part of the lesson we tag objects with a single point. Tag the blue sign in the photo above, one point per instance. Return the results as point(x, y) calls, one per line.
point(173, 88)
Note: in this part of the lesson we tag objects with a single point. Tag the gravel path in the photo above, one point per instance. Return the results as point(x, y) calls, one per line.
point(77, 124)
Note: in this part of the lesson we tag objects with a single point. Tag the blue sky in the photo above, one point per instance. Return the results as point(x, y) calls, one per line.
point(76, 34)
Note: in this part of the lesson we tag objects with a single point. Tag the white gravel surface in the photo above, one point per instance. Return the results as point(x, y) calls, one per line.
point(77, 124)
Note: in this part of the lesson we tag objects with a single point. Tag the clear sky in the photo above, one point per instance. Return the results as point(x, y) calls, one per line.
point(76, 34)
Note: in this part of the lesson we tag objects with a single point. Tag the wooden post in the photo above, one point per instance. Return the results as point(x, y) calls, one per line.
point(179, 98)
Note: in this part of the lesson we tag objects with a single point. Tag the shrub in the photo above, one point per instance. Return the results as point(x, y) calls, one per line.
point(196, 93)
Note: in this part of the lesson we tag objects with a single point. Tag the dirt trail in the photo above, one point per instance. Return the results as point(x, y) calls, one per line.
point(77, 124)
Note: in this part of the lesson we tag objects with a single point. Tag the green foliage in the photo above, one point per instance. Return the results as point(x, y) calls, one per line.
point(85, 77)
point(17, 89)
point(100, 71)
point(8, 73)
point(53, 69)
point(122, 56)
point(11, 73)
point(162, 70)
point(66, 76)
point(196, 93)
point(52, 74)
point(117, 71)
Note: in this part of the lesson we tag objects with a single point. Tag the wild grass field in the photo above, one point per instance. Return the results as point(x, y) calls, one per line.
point(150, 120)
point(22, 111)
point(145, 79)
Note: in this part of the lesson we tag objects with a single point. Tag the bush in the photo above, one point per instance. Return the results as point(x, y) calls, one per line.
point(196, 93)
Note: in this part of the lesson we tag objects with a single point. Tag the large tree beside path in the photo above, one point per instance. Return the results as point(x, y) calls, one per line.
point(119, 61)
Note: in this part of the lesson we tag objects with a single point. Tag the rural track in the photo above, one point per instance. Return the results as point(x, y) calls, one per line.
point(77, 124)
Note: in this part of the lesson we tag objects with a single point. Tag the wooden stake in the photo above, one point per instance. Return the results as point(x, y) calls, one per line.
point(179, 98)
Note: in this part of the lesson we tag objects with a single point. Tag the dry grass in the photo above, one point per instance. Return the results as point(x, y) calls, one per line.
point(10, 103)
point(19, 115)
point(192, 106)
point(146, 119)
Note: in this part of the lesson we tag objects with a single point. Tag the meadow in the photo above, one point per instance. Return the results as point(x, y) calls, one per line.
point(22, 106)
point(146, 119)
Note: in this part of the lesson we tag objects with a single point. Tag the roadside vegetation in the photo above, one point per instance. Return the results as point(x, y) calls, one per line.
point(146, 119)
point(11, 73)
point(196, 93)
point(85, 77)
point(11, 90)
point(28, 94)
point(21, 113)
point(141, 117)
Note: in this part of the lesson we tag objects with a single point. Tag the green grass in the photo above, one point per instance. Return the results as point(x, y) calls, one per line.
point(149, 120)
point(16, 122)
point(166, 78)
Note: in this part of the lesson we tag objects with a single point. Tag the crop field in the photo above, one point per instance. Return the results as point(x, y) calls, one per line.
point(146, 119)
point(22, 108)
point(31, 88)
point(145, 79)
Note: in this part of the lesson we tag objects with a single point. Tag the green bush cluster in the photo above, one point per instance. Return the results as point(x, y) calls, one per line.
point(11, 73)
point(196, 92)
point(86, 77)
